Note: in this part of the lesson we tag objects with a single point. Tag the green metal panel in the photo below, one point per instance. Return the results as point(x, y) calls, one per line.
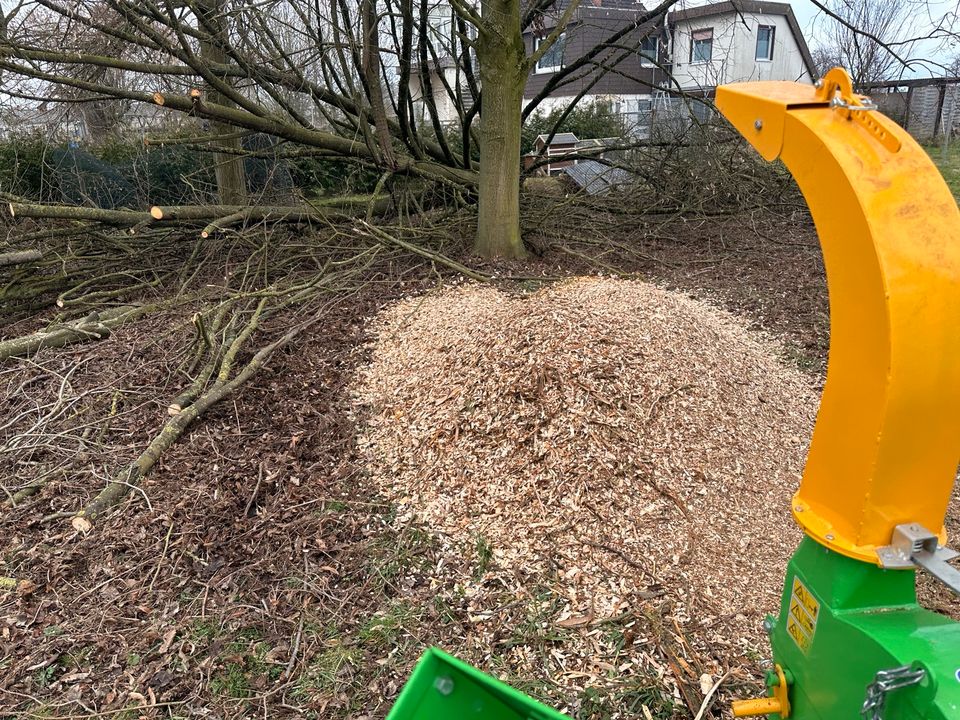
point(867, 619)
point(444, 688)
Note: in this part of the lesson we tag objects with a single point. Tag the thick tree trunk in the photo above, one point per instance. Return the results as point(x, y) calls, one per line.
point(503, 75)
point(229, 169)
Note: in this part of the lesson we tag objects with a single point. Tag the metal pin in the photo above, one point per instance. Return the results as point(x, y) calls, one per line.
point(758, 124)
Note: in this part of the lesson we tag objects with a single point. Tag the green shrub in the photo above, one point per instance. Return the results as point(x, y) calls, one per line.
point(22, 161)
point(124, 172)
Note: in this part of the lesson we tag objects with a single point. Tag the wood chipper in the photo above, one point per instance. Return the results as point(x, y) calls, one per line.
point(851, 639)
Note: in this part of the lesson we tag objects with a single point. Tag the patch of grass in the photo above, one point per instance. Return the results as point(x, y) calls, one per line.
point(46, 675)
point(801, 358)
point(232, 682)
point(530, 285)
point(203, 631)
point(334, 668)
point(537, 688)
point(484, 554)
point(537, 628)
point(399, 553)
point(950, 166)
point(631, 698)
point(76, 657)
point(384, 629)
point(446, 613)
point(247, 662)
point(338, 671)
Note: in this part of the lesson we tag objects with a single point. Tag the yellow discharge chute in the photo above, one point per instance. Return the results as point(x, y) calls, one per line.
point(887, 440)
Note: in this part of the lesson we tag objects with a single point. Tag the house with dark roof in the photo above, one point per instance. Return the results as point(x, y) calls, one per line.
point(695, 50)
point(632, 61)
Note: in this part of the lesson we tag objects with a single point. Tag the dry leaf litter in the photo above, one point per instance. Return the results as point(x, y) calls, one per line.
point(608, 439)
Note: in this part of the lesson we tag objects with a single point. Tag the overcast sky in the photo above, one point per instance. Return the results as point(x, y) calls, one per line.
point(927, 14)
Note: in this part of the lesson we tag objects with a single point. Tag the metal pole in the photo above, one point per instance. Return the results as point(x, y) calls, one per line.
point(946, 119)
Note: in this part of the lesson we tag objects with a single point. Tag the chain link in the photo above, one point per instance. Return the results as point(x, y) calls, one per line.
point(887, 681)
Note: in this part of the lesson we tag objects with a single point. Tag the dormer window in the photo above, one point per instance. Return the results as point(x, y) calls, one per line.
point(649, 51)
point(552, 60)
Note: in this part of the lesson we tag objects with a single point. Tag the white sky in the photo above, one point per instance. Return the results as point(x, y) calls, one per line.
point(927, 14)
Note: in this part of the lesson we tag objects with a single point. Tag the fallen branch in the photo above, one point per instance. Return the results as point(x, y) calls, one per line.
point(65, 335)
point(318, 208)
point(71, 212)
point(93, 327)
point(183, 213)
point(378, 234)
point(19, 257)
point(174, 427)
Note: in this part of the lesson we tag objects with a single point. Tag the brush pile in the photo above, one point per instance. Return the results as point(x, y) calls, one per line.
point(607, 439)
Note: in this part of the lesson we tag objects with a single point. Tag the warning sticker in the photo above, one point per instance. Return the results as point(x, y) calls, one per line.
point(802, 618)
point(798, 634)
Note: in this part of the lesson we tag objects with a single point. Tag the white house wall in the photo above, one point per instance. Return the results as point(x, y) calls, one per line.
point(734, 50)
point(446, 108)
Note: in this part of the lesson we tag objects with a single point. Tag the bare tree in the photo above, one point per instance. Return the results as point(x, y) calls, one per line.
point(329, 77)
point(872, 39)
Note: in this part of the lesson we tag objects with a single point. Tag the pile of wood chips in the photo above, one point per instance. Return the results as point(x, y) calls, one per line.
point(617, 441)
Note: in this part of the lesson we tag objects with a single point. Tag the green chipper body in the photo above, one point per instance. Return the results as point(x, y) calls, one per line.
point(858, 620)
point(851, 640)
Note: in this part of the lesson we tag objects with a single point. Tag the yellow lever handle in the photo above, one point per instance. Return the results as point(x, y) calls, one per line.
point(779, 703)
point(759, 706)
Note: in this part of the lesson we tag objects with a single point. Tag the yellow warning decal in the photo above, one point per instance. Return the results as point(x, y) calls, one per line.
point(799, 635)
point(802, 618)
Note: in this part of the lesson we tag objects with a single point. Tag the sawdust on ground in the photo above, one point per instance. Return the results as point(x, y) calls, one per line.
point(617, 441)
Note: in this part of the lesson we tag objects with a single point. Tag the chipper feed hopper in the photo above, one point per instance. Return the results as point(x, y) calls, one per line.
point(851, 639)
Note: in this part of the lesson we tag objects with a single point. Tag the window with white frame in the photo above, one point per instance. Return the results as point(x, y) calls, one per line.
point(552, 59)
point(765, 35)
point(701, 46)
point(649, 51)
point(440, 21)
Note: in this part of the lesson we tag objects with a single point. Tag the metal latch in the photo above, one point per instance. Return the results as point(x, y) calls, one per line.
point(915, 546)
point(835, 88)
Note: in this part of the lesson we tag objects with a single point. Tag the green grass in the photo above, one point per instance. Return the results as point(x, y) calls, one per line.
point(246, 661)
point(633, 695)
point(949, 167)
point(384, 629)
point(484, 554)
point(399, 554)
point(203, 631)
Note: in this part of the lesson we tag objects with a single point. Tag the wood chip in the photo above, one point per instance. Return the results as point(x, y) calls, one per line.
point(624, 444)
